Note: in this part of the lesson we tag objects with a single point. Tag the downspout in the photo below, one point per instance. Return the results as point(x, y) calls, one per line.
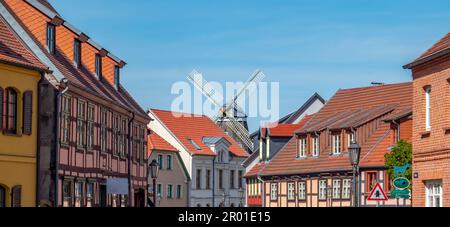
point(214, 182)
point(129, 160)
point(38, 142)
point(263, 191)
point(57, 138)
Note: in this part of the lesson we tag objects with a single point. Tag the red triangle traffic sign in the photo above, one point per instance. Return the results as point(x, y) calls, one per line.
point(377, 194)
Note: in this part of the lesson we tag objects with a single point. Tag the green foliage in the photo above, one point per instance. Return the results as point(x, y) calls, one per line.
point(400, 155)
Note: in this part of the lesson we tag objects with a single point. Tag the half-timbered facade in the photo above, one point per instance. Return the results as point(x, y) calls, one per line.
point(314, 170)
point(93, 134)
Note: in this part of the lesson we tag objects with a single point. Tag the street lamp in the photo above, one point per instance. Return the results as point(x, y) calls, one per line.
point(154, 171)
point(355, 155)
point(241, 196)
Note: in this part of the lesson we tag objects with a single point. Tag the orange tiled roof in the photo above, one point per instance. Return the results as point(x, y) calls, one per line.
point(156, 142)
point(196, 127)
point(286, 130)
point(442, 44)
point(342, 110)
point(255, 170)
point(79, 77)
point(13, 51)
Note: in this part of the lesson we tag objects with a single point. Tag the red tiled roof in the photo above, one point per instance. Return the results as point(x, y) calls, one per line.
point(286, 130)
point(196, 127)
point(441, 45)
point(255, 170)
point(344, 107)
point(84, 79)
point(156, 142)
point(13, 51)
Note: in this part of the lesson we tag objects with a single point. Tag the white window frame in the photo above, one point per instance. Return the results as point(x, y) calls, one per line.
point(351, 138)
point(428, 108)
point(302, 190)
point(291, 191)
point(337, 189)
point(433, 191)
point(316, 146)
point(274, 191)
point(337, 149)
point(346, 188)
point(323, 189)
point(302, 148)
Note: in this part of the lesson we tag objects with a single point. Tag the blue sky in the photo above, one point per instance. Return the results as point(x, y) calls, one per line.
point(307, 46)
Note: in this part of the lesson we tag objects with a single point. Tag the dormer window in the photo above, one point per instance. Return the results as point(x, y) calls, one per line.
point(51, 38)
point(337, 144)
point(77, 53)
point(193, 143)
point(351, 138)
point(98, 66)
point(302, 148)
point(116, 77)
point(315, 146)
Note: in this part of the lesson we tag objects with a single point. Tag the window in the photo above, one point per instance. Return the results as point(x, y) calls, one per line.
point(103, 131)
point(336, 189)
point(11, 110)
point(78, 194)
point(159, 190)
point(371, 180)
point(274, 191)
point(77, 53)
point(434, 194)
point(67, 194)
point(98, 66)
point(2, 197)
point(90, 127)
point(302, 190)
point(221, 179)
point(240, 178)
point(179, 192)
point(336, 144)
point(16, 196)
point(51, 38)
point(115, 136)
point(232, 176)
point(302, 148)
point(316, 146)
point(351, 138)
point(199, 179)
point(27, 113)
point(122, 137)
point(346, 188)
point(169, 162)
point(322, 190)
point(208, 179)
point(428, 108)
point(116, 77)
point(81, 124)
point(193, 143)
point(291, 191)
point(65, 112)
point(90, 195)
point(160, 161)
point(170, 191)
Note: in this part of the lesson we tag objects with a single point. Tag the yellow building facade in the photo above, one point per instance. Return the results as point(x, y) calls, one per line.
point(18, 143)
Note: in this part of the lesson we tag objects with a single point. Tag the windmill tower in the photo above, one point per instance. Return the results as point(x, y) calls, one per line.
point(231, 118)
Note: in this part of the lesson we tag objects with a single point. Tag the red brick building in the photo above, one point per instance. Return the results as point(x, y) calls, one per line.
point(431, 131)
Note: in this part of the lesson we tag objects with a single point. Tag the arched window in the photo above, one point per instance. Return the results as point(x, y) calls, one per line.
point(2, 196)
point(16, 196)
point(11, 110)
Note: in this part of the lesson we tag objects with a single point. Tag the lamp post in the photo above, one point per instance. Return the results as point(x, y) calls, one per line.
point(355, 155)
point(241, 196)
point(154, 171)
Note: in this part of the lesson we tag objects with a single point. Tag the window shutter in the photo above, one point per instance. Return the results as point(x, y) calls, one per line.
point(1, 108)
point(16, 196)
point(27, 112)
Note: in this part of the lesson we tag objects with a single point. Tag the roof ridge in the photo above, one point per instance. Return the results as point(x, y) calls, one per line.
point(374, 87)
point(177, 112)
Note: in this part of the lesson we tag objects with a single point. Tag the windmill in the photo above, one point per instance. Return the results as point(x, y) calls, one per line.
point(231, 118)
